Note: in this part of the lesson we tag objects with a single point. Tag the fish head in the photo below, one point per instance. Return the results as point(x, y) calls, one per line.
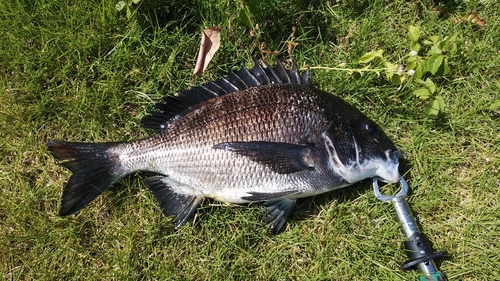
point(358, 149)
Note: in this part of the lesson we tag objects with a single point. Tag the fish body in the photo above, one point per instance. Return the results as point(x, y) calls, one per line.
point(258, 135)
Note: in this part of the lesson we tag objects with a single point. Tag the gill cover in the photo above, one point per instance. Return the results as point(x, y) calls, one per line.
point(359, 149)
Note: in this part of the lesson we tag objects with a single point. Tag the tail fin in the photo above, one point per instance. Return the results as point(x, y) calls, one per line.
point(93, 172)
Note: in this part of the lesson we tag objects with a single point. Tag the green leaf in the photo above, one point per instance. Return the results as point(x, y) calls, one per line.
point(427, 84)
point(456, 45)
point(434, 63)
point(253, 5)
point(454, 49)
point(427, 42)
point(245, 17)
point(434, 38)
point(120, 5)
point(414, 33)
point(451, 38)
point(392, 66)
point(440, 101)
point(424, 67)
point(397, 79)
point(422, 93)
point(391, 69)
point(136, 1)
point(248, 9)
point(444, 68)
point(495, 105)
point(418, 72)
point(368, 57)
point(435, 50)
point(436, 106)
point(411, 64)
point(414, 46)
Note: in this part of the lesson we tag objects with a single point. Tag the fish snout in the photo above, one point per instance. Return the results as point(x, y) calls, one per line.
point(389, 172)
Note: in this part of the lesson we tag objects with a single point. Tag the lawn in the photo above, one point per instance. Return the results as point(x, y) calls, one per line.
point(84, 71)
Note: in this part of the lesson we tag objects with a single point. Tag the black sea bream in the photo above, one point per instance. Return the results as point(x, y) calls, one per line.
point(258, 135)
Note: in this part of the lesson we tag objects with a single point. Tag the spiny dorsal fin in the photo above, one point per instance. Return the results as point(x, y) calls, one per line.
point(260, 74)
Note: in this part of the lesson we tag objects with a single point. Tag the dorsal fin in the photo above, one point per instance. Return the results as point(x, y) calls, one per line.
point(260, 74)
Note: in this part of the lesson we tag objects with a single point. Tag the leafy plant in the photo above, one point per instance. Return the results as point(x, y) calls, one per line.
point(436, 51)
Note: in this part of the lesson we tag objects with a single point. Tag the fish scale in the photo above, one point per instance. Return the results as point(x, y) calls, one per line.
point(209, 136)
point(259, 135)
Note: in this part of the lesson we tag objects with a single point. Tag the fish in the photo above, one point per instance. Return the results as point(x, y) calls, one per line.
point(258, 135)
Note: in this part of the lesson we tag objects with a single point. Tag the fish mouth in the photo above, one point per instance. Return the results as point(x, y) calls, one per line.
point(390, 171)
point(357, 169)
point(394, 155)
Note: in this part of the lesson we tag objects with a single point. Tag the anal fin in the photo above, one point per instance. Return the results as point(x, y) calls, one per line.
point(278, 212)
point(182, 206)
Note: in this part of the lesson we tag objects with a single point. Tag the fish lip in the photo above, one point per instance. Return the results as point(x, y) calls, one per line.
point(391, 175)
point(398, 154)
point(394, 155)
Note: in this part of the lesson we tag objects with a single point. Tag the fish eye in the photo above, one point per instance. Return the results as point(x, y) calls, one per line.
point(372, 129)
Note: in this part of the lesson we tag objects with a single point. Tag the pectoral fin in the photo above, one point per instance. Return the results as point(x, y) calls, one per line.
point(182, 206)
point(278, 213)
point(282, 158)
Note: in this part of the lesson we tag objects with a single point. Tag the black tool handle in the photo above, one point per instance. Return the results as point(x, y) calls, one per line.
point(419, 250)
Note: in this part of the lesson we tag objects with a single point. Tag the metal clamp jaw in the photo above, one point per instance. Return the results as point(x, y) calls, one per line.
point(418, 247)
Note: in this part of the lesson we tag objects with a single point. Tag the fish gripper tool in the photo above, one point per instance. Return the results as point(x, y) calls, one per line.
point(418, 247)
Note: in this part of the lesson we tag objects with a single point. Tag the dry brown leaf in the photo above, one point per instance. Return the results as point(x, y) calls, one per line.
point(481, 23)
point(210, 43)
point(472, 18)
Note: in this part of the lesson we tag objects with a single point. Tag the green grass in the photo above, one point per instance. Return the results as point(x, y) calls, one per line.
point(80, 70)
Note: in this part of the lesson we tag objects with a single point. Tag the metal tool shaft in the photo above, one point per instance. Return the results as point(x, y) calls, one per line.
point(412, 232)
point(417, 247)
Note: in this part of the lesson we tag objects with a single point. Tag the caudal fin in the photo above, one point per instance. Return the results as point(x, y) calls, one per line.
point(93, 172)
